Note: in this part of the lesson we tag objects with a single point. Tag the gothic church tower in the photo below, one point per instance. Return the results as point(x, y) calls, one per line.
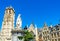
point(8, 24)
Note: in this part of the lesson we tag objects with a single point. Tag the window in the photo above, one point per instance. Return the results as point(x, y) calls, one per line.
point(58, 34)
point(55, 39)
point(52, 39)
point(43, 32)
point(44, 38)
point(54, 34)
point(47, 32)
point(59, 39)
point(48, 37)
point(9, 11)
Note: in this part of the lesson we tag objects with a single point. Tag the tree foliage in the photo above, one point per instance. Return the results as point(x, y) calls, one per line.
point(27, 36)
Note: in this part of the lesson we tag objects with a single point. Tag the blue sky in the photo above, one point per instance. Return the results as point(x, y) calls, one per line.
point(38, 11)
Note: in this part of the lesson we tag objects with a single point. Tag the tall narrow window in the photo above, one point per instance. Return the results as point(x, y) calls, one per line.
point(9, 11)
point(58, 34)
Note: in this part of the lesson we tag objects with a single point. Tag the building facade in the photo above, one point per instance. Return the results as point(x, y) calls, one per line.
point(45, 33)
point(17, 33)
point(51, 33)
point(55, 33)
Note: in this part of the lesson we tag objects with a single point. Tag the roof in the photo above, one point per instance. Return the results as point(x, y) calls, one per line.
point(54, 28)
point(17, 30)
point(10, 8)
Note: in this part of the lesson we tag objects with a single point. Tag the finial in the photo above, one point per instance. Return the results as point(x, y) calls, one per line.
point(32, 23)
point(19, 21)
point(19, 15)
point(45, 24)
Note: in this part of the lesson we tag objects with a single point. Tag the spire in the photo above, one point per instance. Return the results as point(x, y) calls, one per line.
point(36, 31)
point(45, 25)
point(32, 25)
point(19, 21)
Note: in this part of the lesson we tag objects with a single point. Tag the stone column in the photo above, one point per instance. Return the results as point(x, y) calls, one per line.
point(56, 36)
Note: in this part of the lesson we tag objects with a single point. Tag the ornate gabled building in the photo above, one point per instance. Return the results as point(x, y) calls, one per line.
point(32, 28)
point(45, 33)
point(55, 33)
point(51, 33)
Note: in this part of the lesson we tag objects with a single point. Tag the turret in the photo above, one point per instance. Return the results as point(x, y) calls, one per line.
point(19, 22)
point(45, 25)
point(37, 35)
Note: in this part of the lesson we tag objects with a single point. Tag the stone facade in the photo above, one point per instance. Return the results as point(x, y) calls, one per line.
point(55, 33)
point(17, 33)
point(51, 33)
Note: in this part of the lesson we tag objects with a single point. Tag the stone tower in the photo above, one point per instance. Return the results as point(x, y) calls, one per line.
point(19, 22)
point(8, 24)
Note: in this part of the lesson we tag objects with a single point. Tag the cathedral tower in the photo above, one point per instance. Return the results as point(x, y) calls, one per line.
point(8, 24)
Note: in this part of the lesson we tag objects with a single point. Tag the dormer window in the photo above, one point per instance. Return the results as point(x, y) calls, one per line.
point(45, 28)
point(9, 11)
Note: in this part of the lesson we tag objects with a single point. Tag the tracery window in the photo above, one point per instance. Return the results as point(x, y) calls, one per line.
point(52, 39)
point(59, 39)
point(55, 39)
point(54, 34)
point(58, 34)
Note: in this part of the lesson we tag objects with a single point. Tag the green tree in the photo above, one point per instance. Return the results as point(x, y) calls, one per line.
point(27, 36)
